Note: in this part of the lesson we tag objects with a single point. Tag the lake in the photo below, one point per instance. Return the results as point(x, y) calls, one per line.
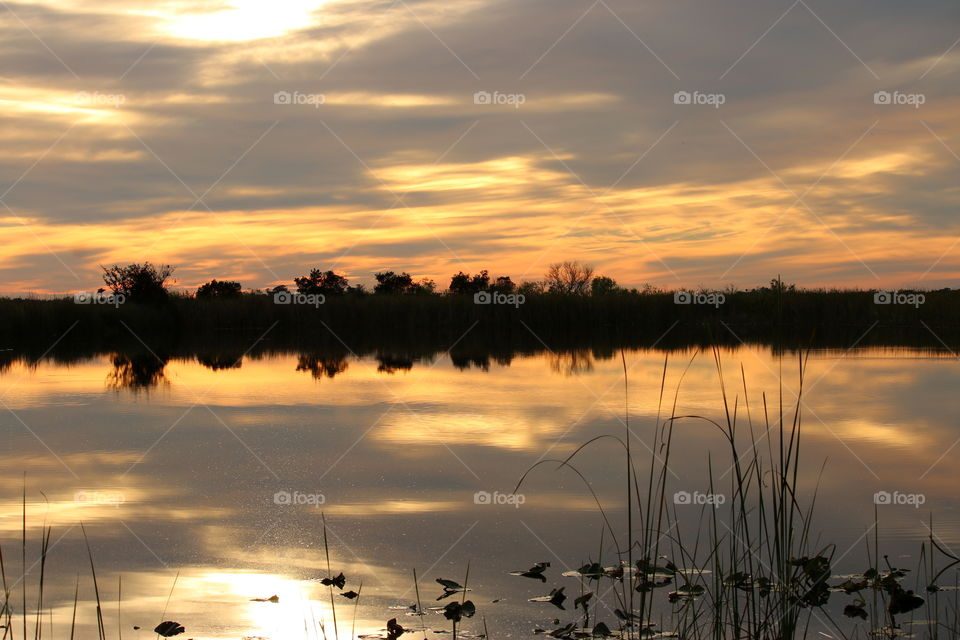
point(203, 484)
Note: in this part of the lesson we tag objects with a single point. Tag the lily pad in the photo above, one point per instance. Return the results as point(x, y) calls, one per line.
point(555, 597)
point(169, 628)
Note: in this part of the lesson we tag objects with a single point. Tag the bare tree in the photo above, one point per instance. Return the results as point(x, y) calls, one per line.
point(569, 277)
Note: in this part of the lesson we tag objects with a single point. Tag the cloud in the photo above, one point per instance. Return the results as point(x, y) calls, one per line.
point(135, 112)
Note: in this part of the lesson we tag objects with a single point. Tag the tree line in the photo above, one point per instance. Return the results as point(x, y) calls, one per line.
point(146, 282)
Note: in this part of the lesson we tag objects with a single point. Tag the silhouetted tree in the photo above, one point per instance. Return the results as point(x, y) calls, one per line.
point(140, 282)
point(603, 286)
point(326, 282)
point(391, 283)
point(503, 284)
point(569, 277)
point(219, 289)
point(532, 288)
point(467, 285)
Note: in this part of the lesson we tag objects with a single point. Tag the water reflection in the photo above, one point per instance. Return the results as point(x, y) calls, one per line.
point(217, 361)
point(570, 363)
point(321, 366)
point(137, 372)
point(187, 479)
point(393, 362)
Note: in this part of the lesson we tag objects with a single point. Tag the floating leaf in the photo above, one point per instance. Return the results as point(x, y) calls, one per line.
point(456, 611)
point(816, 568)
point(338, 582)
point(645, 566)
point(686, 592)
point(394, 630)
point(592, 571)
point(583, 600)
point(855, 611)
point(450, 585)
point(555, 597)
point(169, 628)
point(350, 594)
point(739, 580)
point(411, 610)
point(903, 602)
point(274, 599)
point(600, 630)
point(536, 571)
point(560, 632)
point(645, 585)
point(849, 586)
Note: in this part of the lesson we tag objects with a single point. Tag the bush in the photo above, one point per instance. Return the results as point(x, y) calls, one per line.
point(219, 289)
point(138, 282)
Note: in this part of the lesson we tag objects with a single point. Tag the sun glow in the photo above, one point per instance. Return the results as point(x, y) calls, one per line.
point(243, 20)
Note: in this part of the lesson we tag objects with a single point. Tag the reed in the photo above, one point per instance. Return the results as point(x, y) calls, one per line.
point(749, 570)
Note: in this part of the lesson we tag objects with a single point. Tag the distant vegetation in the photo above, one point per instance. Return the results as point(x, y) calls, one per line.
point(570, 307)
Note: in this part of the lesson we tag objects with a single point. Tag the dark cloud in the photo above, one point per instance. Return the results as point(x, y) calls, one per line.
point(398, 82)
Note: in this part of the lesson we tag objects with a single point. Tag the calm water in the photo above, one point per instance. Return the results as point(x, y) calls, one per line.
point(187, 470)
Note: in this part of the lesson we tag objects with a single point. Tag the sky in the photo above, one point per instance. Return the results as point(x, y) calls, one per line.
point(679, 143)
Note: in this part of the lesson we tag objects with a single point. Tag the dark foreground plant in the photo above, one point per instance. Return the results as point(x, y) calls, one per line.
point(748, 567)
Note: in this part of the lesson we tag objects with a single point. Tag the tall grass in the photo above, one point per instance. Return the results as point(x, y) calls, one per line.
point(748, 570)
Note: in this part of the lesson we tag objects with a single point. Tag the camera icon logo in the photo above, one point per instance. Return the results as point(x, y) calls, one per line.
point(282, 497)
point(882, 97)
point(682, 297)
point(682, 497)
point(482, 297)
point(882, 497)
point(82, 297)
point(482, 97)
point(482, 497)
point(282, 297)
point(882, 297)
point(282, 97)
point(682, 97)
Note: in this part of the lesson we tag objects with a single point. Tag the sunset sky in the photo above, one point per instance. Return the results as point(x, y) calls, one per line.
point(253, 140)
